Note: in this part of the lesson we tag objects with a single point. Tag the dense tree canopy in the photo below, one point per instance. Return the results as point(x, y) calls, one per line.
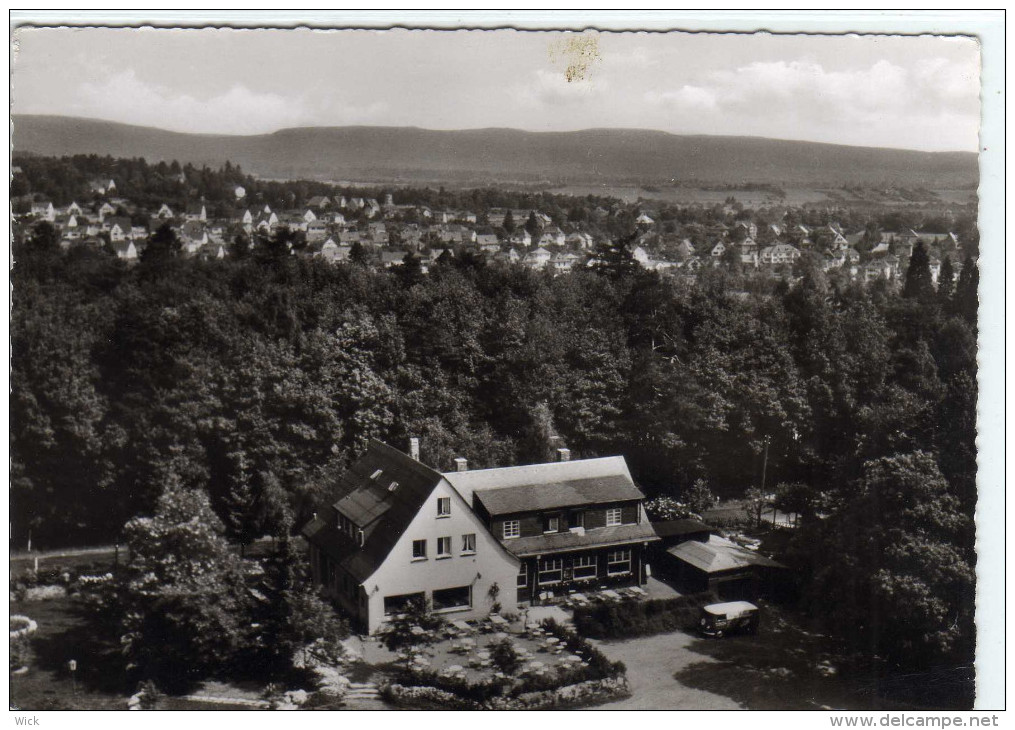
point(247, 379)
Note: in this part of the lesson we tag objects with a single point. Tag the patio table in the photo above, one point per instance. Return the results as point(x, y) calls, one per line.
point(498, 620)
point(611, 594)
point(639, 590)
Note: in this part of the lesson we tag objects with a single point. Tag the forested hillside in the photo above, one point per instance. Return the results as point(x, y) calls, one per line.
point(483, 156)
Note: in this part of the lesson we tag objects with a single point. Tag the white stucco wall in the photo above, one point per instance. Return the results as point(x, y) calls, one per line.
point(490, 564)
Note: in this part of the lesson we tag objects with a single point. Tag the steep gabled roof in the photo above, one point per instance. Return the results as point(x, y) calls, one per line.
point(365, 498)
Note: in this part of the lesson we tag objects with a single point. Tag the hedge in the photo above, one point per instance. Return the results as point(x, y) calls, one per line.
point(640, 618)
point(583, 694)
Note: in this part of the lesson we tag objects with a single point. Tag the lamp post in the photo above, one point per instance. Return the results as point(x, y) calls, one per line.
point(72, 665)
point(764, 469)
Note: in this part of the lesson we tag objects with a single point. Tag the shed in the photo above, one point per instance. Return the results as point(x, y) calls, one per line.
point(722, 567)
point(674, 532)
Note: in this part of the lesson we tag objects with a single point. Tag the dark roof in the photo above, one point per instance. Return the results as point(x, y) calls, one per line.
point(367, 501)
point(677, 528)
point(551, 495)
point(122, 221)
point(564, 541)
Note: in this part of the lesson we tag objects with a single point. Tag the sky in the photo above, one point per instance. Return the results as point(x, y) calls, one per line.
point(915, 92)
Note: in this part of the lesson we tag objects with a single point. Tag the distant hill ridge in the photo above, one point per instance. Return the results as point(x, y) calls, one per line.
point(411, 154)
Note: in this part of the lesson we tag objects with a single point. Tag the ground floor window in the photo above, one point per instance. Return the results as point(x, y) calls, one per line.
point(584, 566)
point(618, 562)
point(523, 576)
point(397, 604)
point(551, 570)
point(449, 598)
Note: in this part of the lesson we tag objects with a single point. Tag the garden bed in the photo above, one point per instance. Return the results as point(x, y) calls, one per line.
point(547, 666)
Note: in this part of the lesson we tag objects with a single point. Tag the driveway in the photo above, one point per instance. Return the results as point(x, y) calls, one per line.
point(652, 662)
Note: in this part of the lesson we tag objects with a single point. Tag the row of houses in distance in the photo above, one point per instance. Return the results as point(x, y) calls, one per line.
point(329, 228)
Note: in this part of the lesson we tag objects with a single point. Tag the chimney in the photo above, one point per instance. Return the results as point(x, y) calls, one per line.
point(563, 454)
point(461, 464)
point(414, 448)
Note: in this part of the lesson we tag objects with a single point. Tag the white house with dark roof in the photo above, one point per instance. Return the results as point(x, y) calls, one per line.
point(401, 530)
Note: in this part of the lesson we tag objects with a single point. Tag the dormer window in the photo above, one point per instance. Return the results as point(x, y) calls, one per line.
point(393, 486)
point(376, 474)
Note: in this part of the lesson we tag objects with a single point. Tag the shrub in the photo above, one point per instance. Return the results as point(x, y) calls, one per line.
point(599, 665)
point(424, 696)
point(639, 618)
point(20, 652)
point(505, 657)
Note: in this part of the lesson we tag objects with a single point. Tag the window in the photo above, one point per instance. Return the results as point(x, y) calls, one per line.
point(551, 570)
point(419, 549)
point(469, 543)
point(584, 566)
point(618, 562)
point(376, 473)
point(397, 604)
point(551, 524)
point(613, 516)
point(511, 529)
point(443, 547)
point(576, 519)
point(523, 576)
point(449, 599)
point(443, 506)
point(360, 538)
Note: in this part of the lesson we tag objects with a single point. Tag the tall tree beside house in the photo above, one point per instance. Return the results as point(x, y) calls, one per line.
point(185, 607)
point(919, 284)
point(162, 245)
point(358, 254)
point(967, 296)
point(946, 283)
point(241, 247)
point(615, 258)
point(532, 225)
point(509, 222)
point(295, 627)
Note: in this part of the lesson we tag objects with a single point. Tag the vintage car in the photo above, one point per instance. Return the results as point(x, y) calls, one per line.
point(719, 619)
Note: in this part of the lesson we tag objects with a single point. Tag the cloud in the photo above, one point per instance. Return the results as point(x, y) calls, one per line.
point(933, 91)
point(689, 97)
point(238, 110)
point(551, 88)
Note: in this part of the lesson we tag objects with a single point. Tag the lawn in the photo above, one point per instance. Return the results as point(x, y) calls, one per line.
point(64, 634)
point(99, 683)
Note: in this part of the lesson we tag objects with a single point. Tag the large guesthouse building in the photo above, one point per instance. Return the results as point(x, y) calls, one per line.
point(471, 541)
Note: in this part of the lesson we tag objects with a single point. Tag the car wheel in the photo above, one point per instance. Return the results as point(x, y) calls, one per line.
point(718, 634)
